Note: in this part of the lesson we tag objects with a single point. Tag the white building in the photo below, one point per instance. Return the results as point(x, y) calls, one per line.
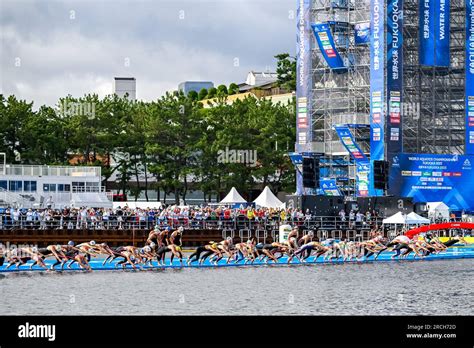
point(125, 85)
point(255, 78)
point(33, 186)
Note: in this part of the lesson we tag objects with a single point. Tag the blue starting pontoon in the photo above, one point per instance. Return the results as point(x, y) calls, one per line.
point(96, 263)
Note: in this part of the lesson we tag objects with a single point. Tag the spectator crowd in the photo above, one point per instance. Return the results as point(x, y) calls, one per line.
point(189, 217)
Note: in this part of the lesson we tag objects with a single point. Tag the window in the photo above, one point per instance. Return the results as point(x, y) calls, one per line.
point(49, 187)
point(78, 184)
point(29, 186)
point(3, 184)
point(64, 187)
point(15, 185)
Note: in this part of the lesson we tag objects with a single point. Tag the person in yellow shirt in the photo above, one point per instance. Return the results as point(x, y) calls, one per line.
point(250, 214)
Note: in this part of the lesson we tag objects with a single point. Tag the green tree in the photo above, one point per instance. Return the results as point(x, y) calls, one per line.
point(202, 94)
point(222, 90)
point(193, 95)
point(212, 92)
point(286, 71)
point(14, 118)
point(233, 88)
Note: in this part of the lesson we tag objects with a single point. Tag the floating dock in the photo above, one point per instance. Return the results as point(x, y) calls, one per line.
point(452, 253)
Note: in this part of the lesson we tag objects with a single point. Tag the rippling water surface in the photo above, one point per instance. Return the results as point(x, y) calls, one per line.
point(398, 288)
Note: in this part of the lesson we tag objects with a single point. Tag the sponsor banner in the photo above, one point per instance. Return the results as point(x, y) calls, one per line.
point(363, 179)
point(329, 187)
point(326, 44)
point(434, 32)
point(362, 163)
point(303, 76)
point(362, 33)
point(394, 76)
point(469, 148)
point(434, 178)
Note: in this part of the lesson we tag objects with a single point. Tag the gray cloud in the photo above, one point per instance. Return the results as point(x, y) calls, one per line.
point(77, 47)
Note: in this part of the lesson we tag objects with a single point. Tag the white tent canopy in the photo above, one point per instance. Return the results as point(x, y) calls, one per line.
point(233, 197)
point(413, 218)
point(402, 219)
point(267, 199)
point(437, 210)
point(398, 218)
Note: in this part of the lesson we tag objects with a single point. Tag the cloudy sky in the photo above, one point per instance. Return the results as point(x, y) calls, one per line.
point(53, 48)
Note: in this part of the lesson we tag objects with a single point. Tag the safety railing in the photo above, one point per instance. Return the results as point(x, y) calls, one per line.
point(330, 226)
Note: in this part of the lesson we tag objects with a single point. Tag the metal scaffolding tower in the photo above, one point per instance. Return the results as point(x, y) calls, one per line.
point(340, 97)
point(434, 106)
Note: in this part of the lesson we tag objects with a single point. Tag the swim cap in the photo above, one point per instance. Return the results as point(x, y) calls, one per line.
point(147, 249)
point(34, 249)
point(310, 233)
point(58, 247)
point(152, 244)
point(92, 242)
point(181, 229)
point(70, 243)
point(157, 228)
point(229, 239)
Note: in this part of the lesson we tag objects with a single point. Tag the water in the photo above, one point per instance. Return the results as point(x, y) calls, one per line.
point(398, 288)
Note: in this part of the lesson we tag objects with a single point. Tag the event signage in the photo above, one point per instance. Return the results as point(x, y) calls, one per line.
point(434, 32)
point(362, 163)
point(362, 33)
point(434, 178)
point(442, 29)
point(329, 187)
point(377, 86)
point(326, 44)
point(377, 116)
point(297, 160)
point(469, 148)
point(394, 76)
point(303, 76)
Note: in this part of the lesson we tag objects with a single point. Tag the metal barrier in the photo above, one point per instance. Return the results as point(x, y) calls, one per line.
point(261, 234)
point(228, 233)
point(245, 235)
point(118, 222)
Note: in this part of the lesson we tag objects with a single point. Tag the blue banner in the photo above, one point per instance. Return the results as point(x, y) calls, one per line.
point(394, 76)
point(434, 32)
point(303, 77)
point(469, 148)
point(326, 45)
point(362, 163)
point(442, 28)
point(427, 32)
point(329, 187)
point(362, 33)
point(434, 178)
point(377, 86)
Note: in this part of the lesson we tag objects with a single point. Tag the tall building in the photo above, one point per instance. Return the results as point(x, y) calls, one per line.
point(125, 85)
point(380, 79)
point(196, 86)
